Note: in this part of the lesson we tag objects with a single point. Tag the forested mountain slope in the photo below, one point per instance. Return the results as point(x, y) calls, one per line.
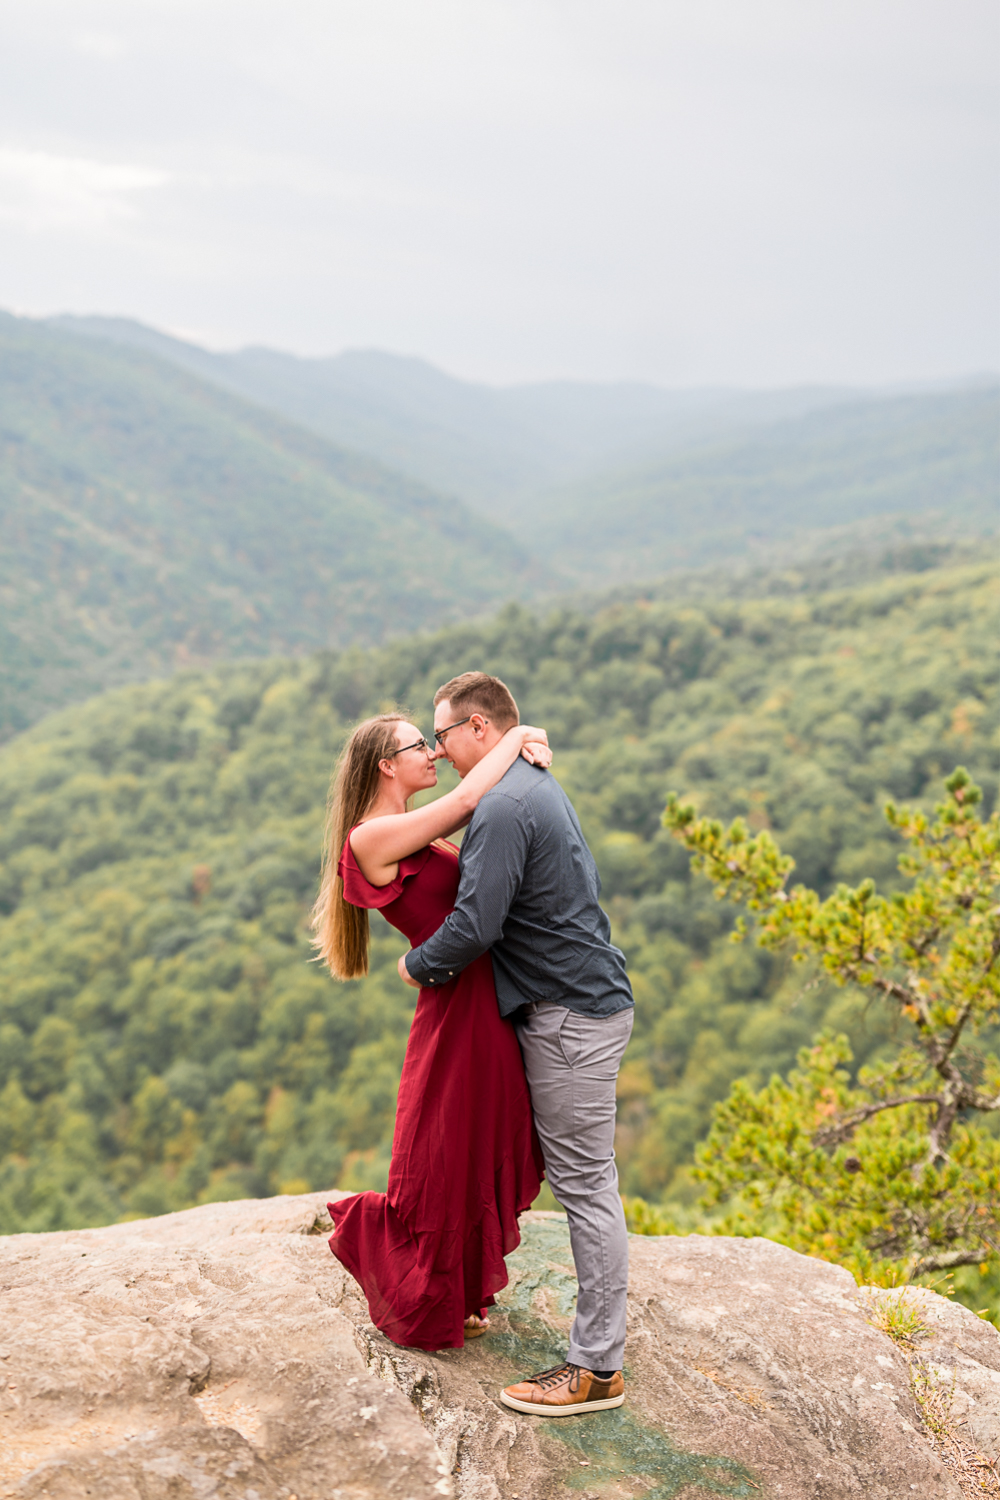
point(625, 482)
point(487, 444)
point(165, 1038)
point(148, 519)
point(929, 460)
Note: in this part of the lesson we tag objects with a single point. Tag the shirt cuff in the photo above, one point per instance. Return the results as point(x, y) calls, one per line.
point(425, 976)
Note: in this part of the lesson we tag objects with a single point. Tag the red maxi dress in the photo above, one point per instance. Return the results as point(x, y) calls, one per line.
point(465, 1157)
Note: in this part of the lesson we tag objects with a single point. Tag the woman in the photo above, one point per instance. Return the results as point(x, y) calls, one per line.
point(429, 1253)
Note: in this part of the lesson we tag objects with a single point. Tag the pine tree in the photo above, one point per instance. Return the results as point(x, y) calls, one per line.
point(896, 1174)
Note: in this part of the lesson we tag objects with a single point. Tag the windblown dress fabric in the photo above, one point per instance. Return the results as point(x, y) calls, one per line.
point(465, 1157)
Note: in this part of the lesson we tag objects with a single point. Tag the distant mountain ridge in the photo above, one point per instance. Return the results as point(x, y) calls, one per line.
point(608, 483)
point(151, 515)
point(148, 519)
point(487, 444)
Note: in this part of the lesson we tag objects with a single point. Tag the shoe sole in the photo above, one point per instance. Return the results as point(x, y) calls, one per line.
point(580, 1409)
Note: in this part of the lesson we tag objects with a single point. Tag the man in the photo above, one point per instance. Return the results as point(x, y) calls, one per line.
point(529, 893)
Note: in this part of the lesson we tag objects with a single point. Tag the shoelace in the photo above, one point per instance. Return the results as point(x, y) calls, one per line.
point(555, 1376)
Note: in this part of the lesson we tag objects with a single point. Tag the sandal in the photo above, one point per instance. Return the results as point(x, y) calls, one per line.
point(476, 1324)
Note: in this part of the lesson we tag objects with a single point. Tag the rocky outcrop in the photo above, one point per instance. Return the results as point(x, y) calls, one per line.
point(222, 1354)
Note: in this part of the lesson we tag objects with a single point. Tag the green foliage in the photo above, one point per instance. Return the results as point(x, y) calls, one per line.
point(149, 520)
point(891, 1174)
point(645, 1218)
point(167, 1038)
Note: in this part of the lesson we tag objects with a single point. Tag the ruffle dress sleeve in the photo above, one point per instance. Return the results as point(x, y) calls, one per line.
point(360, 892)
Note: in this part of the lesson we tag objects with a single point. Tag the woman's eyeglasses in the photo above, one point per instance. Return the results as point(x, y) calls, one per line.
point(420, 744)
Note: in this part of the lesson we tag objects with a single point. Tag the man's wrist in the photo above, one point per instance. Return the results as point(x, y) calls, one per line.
point(421, 974)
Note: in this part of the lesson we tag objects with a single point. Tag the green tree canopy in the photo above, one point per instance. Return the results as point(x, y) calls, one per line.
point(166, 1037)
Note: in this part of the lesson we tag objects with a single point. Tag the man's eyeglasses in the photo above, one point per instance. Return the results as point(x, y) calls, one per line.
point(420, 744)
point(439, 734)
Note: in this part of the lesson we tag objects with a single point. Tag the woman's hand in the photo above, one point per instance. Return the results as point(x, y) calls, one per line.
point(405, 974)
point(532, 735)
point(535, 746)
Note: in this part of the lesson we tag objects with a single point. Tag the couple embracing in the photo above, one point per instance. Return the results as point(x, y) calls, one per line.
point(525, 1010)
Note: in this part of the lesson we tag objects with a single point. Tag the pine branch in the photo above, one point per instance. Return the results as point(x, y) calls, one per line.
point(948, 1260)
point(973, 1099)
point(844, 1128)
point(956, 1030)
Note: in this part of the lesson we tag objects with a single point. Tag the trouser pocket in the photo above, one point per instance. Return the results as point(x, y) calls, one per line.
point(595, 1043)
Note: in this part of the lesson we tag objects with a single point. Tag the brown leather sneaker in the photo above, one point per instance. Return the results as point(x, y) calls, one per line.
point(564, 1391)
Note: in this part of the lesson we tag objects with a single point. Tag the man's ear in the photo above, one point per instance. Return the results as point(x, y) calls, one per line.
point(478, 725)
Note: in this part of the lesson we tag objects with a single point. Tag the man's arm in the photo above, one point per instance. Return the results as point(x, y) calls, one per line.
point(493, 858)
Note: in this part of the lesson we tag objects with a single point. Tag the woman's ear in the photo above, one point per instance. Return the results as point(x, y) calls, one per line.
point(387, 769)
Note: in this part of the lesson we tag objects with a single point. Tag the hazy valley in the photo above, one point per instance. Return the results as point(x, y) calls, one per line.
point(162, 505)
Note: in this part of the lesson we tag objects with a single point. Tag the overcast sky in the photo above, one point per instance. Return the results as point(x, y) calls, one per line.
point(753, 192)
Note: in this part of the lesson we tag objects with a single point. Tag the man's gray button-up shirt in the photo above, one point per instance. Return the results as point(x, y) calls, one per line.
point(528, 893)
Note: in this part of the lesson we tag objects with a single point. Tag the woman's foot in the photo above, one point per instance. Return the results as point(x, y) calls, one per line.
point(476, 1326)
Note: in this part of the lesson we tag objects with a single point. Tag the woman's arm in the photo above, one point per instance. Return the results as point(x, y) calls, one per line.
point(381, 843)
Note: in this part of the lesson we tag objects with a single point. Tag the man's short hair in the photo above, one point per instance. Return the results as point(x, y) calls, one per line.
point(478, 693)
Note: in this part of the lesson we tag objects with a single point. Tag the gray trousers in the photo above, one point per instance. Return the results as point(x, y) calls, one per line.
point(571, 1062)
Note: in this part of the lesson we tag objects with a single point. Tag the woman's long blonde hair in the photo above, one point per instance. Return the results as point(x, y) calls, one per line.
point(341, 930)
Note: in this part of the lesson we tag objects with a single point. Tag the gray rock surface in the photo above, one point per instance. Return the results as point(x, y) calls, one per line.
point(223, 1354)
